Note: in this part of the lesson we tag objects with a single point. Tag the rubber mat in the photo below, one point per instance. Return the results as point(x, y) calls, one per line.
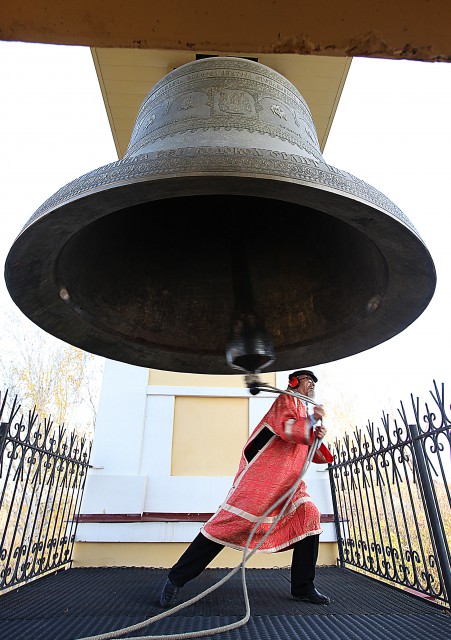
point(82, 602)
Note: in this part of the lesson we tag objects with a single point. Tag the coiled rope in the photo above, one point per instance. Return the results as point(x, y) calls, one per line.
point(246, 556)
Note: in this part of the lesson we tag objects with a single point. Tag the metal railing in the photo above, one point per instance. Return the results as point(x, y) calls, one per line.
point(392, 498)
point(42, 475)
point(390, 487)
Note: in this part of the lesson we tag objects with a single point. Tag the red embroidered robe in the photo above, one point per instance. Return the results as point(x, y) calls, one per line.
point(270, 473)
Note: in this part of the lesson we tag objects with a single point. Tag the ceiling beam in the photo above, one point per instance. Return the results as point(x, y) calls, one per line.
point(405, 29)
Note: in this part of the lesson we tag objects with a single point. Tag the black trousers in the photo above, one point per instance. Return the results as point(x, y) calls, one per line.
point(202, 551)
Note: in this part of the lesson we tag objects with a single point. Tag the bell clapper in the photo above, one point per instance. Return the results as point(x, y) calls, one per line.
point(249, 348)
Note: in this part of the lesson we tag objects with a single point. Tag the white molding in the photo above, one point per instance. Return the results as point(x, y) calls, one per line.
point(114, 494)
point(156, 531)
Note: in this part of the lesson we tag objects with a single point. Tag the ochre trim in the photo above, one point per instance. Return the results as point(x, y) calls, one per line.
point(166, 554)
point(154, 516)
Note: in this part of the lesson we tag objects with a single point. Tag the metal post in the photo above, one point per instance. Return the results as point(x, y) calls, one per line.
point(431, 508)
point(3, 431)
point(341, 557)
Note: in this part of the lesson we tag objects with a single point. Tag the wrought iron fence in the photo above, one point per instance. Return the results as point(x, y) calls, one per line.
point(42, 474)
point(392, 499)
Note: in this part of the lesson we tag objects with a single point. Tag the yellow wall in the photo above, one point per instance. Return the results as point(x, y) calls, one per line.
point(165, 554)
point(209, 432)
point(208, 436)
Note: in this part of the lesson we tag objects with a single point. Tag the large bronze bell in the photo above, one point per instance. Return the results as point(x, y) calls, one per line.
point(221, 230)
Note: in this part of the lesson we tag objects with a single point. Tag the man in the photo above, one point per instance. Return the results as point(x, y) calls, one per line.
point(271, 463)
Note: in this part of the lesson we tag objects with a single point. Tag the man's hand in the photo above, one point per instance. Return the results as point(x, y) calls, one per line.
point(318, 414)
point(320, 431)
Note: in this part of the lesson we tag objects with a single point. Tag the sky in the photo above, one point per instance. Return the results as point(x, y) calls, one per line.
point(392, 129)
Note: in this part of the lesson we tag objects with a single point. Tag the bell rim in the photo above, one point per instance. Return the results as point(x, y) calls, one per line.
point(103, 202)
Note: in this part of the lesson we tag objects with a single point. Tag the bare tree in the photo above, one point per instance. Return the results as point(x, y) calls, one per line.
point(56, 379)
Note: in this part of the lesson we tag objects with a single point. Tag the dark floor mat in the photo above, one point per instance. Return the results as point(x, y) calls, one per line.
point(83, 602)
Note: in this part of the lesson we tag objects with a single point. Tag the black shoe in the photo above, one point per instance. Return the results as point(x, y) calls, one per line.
point(169, 593)
point(315, 597)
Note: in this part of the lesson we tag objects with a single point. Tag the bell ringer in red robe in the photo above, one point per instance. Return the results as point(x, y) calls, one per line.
point(270, 473)
point(271, 463)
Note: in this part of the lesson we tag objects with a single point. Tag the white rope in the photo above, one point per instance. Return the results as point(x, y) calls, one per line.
point(246, 555)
